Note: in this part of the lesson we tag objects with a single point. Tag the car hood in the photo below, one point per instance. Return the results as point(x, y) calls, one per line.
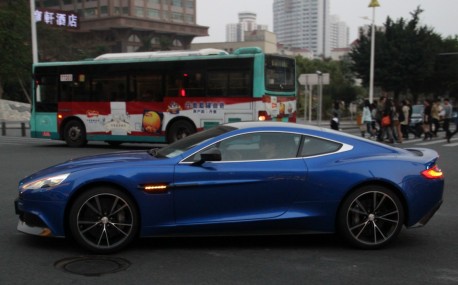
point(112, 160)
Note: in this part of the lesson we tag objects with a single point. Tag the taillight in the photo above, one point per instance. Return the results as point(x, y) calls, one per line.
point(433, 173)
point(262, 115)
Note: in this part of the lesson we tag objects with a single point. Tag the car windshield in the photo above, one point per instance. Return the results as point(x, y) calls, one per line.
point(178, 147)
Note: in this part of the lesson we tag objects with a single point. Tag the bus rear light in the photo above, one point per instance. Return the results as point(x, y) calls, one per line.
point(183, 92)
point(433, 173)
point(262, 115)
point(59, 116)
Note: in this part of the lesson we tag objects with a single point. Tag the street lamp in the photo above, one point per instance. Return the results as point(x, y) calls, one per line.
point(320, 93)
point(33, 32)
point(373, 5)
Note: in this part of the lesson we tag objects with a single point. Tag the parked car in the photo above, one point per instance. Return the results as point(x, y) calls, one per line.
point(416, 120)
point(241, 178)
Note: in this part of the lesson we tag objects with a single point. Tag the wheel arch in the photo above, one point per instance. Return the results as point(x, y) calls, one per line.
point(65, 122)
point(381, 183)
point(86, 187)
point(176, 119)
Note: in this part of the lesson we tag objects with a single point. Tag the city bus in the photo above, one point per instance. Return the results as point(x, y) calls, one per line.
point(159, 97)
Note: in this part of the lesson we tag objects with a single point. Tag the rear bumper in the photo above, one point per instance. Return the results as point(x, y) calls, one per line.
point(425, 219)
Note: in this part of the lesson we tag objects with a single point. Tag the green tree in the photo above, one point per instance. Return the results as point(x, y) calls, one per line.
point(342, 82)
point(445, 79)
point(15, 51)
point(405, 56)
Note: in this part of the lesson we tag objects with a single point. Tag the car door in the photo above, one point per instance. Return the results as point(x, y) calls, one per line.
point(248, 186)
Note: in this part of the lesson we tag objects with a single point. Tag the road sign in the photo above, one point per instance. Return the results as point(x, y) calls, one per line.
point(314, 78)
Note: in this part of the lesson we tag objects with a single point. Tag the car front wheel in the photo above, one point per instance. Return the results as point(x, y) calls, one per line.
point(371, 217)
point(103, 220)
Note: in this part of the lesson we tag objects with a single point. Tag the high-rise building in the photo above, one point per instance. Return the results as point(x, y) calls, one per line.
point(130, 25)
point(247, 23)
point(339, 33)
point(303, 24)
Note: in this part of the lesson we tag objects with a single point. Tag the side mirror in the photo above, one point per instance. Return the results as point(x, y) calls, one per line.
point(212, 154)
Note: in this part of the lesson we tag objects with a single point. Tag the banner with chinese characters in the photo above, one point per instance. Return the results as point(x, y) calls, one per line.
point(62, 19)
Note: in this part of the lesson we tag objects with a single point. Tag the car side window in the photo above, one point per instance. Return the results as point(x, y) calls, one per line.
point(256, 146)
point(312, 146)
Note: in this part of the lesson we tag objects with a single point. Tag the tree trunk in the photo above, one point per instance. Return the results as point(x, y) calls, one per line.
point(26, 94)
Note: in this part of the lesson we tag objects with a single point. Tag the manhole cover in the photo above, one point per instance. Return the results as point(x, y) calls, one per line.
point(92, 265)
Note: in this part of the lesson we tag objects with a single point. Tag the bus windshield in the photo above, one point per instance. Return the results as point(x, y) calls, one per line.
point(280, 73)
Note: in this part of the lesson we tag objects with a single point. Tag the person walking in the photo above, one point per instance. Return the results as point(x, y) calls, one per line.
point(427, 120)
point(398, 116)
point(447, 117)
point(387, 122)
point(378, 117)
point(436, 110)
point(367, 119)
point(405, 111)
point(450, 134)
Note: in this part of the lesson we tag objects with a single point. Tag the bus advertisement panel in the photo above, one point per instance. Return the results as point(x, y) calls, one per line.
point(159, 96)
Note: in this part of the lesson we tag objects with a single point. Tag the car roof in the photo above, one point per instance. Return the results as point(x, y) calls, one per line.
point(270, 124)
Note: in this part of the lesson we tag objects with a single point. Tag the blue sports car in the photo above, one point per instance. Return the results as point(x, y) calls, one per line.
point(242, 178)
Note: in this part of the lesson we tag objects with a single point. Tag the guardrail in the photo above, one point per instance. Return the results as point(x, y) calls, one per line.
point(15, 129)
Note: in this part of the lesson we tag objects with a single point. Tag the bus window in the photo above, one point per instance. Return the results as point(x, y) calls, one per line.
point(148, 88)
point(186, 84)
point(217, 83)
point(109, 89)
point(48, 89)
point(239, 84)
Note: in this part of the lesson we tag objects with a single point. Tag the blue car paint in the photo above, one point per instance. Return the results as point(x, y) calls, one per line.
point(300, 194)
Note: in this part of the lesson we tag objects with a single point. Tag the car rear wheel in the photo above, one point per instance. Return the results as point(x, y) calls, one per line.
point(103, 220)
point(371, 217)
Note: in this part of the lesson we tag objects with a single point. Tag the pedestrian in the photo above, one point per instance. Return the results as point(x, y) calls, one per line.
point(405, 119)
point(398, 116)
point(436, 110)
point(450, 134)
point(367, 119)
point(387, 122)
point(335, 121)
point(447, 116)
point(375, 127)
point(427, 120)
point(378, 117)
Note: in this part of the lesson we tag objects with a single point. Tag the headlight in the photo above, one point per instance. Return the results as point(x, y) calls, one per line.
point(46, 182)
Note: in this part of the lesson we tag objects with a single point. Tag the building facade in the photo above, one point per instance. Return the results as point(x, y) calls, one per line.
point(247, 24)
point(303, 24)
point(262, 39)
point(339, 33)
point(133, 25)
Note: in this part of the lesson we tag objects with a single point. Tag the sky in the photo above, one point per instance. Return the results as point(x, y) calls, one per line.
point(438, 14)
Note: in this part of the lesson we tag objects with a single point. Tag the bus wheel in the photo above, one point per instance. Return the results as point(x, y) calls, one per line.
point(75, 134)
point(179, 130)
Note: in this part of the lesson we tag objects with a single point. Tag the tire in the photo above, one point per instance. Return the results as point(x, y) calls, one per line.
point(179, 130)
point(75, 134)
point(103, 220)
point(371, 217)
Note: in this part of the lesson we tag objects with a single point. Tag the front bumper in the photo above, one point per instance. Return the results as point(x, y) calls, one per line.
point(29, 223)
